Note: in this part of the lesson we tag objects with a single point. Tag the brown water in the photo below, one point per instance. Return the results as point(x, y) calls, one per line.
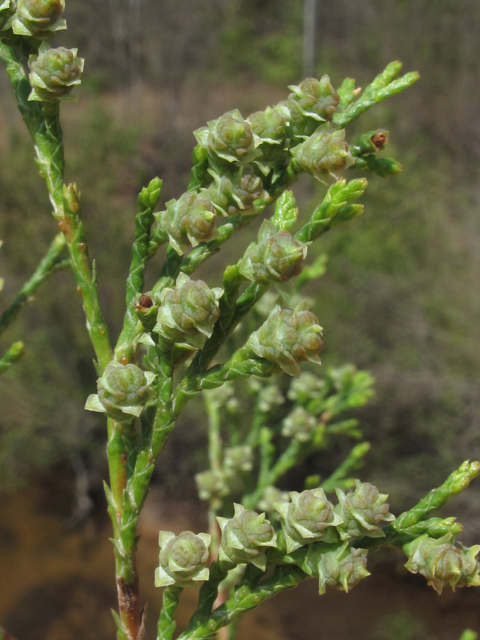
point(57, 585)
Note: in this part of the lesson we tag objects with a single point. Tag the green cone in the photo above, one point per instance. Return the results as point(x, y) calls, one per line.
point(241, 193)
point(245, 537)
point(238, 460)
point(299, 425)
point(183, 559)
point(228, 140)
point(188, 312)
point(54, 73)
point(275, 258)
point(305, 388)
point(308, 518)
point(324, 154)
point(271, 128)
point(39, 18)
point(287, 338)
point(441, 562)
point(342, 568)
point(211, 484)
point(312, 102)
point(123, 391)
point(362, 511)
point(187, 221)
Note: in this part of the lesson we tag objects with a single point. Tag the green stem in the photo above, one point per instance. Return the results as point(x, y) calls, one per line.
point(49, 263)
point(147, 201)
point(285, 462)
point(353, 461)
point(166, 622)
point(243, 599)
point(214, 437)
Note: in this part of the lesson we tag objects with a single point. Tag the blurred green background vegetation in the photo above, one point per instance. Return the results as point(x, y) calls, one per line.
point(401, 296)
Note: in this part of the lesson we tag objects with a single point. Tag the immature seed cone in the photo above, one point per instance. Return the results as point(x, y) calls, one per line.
point(271, 128)
point(308, 518)
point(229, 138)
point(441, 562)
point(39, 18)
point(245, 536)
point(324, 154)
point(211, 484)
point(188, 312)
point(54, 73)
point(187, 221)
point(241, 193)
point(268, 397)
point(342, 568)
point(276, 257)
point(362, 511)
point(312, 101)
point(305, 388)
point(238, 460)
point(287, 338)
point(299, 425)
point(123, 391)
point(183, 559)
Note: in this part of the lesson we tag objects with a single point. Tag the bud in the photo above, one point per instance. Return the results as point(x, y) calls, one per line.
point(310, 517)
point(342, 568)
point(443, 563)
point(230, 138)
point(183, 559)
point(311, 102)
point(187, 221)
point(238, 459)
point(362, 511)
point(146, 309)
point(211, 485)
point(323, 154)
point(275, 258)
point(39, 18)
point(188, 312)
point(287, 338)
point(299, 425)
point(54, 73)
point(305, 388)
point(123, 391)
point(245, 536)
point(7, 14)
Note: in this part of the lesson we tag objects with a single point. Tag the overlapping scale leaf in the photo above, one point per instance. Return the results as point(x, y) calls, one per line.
point(183, 559)
point(242, 192)
point(245, 537)
point(229, 139)
point(311, 103)
point(362, 510)
point(287, 338)
point(187, 221)
point(324, 154)
point(54, 73)
point(341, 568)
point(39, 18)
point(187, 312)
point(123, 391)
point(442, 563)
point(7, 14)
point(309, 517)
point(275, 258)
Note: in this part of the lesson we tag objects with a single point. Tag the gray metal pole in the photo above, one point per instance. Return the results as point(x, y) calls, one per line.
point(308, 38)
